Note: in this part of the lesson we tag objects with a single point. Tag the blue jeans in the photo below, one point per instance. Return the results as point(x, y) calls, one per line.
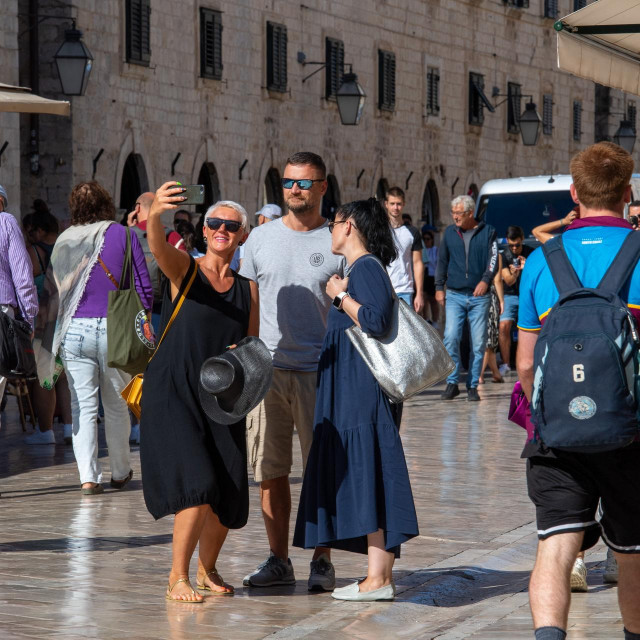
point(407, 297)
point(510, 308)
point(461, 306)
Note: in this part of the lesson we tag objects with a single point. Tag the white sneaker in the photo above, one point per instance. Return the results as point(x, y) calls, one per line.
point(504, 369)
point(134, 438)
point(41, 437)
point(68, 433)
point(579, 576)
point(610, 568)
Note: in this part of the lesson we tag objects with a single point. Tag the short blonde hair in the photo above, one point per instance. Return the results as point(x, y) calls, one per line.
point(229, 204)
point(601, 173)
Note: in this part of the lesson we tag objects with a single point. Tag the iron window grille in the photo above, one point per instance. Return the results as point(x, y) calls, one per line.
point(334, 57)
point(276, 57)
point(579, 4)
point(433, 91)
point(547, 114)
point(551, 9)
point(386, 80)
point(520, 4)
point(514, 102)
point(632, 114)
point(577, 120)
point(210, 44)
point(477, 98)
point(138, 31)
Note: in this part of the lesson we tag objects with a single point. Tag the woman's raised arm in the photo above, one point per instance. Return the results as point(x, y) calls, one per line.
point(172, 262)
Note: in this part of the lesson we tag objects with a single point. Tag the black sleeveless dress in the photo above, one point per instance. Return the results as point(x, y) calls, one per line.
point(188, 459)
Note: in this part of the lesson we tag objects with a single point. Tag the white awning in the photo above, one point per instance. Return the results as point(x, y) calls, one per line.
point(21, 100)
point(609, 58)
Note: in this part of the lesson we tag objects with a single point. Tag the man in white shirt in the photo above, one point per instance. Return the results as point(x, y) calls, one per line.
point(407, 270)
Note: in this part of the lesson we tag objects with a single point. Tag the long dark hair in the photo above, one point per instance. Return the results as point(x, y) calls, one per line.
point(372, 222)
point(188, 233)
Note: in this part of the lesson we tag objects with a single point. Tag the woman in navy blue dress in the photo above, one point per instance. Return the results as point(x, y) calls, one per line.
point(356, 494)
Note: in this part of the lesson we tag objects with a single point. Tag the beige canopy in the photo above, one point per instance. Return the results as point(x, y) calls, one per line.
point(21, 100)
point(586, 49)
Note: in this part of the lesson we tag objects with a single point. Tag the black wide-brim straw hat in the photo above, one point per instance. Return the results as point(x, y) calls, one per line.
point(234, 383)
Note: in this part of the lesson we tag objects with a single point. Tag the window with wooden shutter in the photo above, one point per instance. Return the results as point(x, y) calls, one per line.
point(138, 31)
point(547, 114)
point(334, 57)
point(386, 80)
point(514, 107)
point(210, 44)
point(632, 114)
point(477, 99)
point(433, 91)
point(276, 57)
point(577, 120)
point(550, 9)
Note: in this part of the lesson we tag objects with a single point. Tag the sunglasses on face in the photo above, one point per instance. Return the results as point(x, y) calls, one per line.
point(230, 225)
point(515, 245)
point(305, 185)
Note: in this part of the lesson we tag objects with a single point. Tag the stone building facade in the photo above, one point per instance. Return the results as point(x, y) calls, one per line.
point(234, 133)
point(10, 122)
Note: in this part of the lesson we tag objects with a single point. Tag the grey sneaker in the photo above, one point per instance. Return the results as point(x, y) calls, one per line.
point(322, 575)
point(270, 573)
point(610, 568)
point(579, 576)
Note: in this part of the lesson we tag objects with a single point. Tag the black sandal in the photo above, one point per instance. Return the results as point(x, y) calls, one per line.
point(120, 484)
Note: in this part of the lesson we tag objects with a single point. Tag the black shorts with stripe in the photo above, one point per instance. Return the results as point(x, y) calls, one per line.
point(566, 488)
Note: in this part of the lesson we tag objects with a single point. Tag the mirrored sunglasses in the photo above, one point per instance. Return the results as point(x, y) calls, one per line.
point(305, 185)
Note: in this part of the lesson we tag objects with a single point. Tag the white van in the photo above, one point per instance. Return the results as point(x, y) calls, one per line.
point(529, 202)
point(525, 202)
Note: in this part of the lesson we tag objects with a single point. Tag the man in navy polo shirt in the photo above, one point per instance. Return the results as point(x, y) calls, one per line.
point(566, 487)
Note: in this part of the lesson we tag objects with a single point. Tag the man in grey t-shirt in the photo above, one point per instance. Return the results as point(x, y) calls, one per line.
point(291, 261)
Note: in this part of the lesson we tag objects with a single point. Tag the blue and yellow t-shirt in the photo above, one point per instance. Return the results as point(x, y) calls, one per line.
point(591, 245)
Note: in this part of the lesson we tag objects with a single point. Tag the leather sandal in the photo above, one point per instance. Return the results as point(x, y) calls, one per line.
point(92, 491)
point(228, 590)
point(120, 484)
point(171, 587)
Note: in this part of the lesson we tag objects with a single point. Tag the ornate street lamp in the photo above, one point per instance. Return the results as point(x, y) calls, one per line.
point(530, 122)
point(625, 136)
point(350, 98)
point(74, 62)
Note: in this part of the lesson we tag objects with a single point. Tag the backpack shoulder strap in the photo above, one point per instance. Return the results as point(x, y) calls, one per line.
point(623, 264)
point(561, 269)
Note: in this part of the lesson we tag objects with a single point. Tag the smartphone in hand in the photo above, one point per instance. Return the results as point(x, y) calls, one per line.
point(194, 193)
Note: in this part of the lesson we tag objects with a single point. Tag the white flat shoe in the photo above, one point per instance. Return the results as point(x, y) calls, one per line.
point(352, 592)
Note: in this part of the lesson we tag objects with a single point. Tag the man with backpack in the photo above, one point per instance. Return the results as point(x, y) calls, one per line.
point(578, 364)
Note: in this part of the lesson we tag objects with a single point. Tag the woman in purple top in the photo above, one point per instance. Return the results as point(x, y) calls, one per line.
point(81, 329)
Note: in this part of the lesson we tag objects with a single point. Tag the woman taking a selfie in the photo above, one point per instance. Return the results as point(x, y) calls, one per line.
point(356, 494)
point(191, 466)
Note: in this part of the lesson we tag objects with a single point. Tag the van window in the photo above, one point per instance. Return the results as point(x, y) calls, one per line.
point(526, 210)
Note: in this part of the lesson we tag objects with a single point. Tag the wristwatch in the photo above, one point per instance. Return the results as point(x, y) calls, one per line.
point(338, 300)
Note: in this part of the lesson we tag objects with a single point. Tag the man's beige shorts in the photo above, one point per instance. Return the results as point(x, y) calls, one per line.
point(290, 401)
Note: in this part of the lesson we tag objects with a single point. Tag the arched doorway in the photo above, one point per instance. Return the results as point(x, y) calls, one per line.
point(430, 204)
point(331, 199)
point(134, 182)
point(382, 188)
point(273, 188)
point(208, 176)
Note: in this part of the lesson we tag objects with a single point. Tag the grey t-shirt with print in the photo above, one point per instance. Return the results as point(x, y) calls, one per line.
point(291, 269)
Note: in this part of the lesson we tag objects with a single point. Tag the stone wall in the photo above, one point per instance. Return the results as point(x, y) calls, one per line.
point(10, 122)
point(166, 108)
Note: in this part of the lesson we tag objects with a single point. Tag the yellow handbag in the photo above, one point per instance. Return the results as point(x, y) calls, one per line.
point(132, 393)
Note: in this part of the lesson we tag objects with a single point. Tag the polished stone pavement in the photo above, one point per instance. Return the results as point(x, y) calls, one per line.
point(75, 566)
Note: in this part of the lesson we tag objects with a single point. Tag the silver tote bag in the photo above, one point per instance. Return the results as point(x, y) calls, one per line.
point(410, 358)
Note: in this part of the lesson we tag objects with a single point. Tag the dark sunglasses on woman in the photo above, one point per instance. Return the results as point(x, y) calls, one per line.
point(230, 225)
point(305, 185)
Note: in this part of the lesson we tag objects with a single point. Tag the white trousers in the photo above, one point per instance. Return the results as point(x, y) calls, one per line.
point(84, 351)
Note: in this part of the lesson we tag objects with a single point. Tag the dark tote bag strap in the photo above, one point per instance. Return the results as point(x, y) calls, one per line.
point(561, 269)
point(127, 263)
